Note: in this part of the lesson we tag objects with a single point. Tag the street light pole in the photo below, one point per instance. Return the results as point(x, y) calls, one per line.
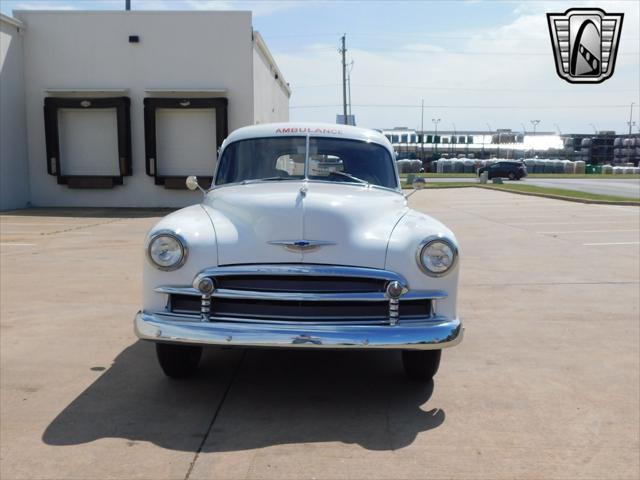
point(436, 121)
point(490, 132)
point(535, 124)
point(422, 131)
point(455, 138)
point(631, 122)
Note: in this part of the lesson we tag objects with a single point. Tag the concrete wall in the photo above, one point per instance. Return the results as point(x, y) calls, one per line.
point(90, 50)
point(14, 184)
point(270, 91)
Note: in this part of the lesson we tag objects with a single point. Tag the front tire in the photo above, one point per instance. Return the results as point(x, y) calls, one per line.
point(512, 176)
point(421, 365)
point(178, 361)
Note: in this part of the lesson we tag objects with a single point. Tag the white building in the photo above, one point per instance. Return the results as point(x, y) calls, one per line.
point(116, 108)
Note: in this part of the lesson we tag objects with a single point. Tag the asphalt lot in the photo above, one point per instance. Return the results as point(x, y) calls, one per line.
point(624, 187)
point(546, 383)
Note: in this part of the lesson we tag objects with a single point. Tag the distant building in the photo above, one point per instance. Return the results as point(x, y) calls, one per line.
point(605, 147)
point(602, 148)
point(504, 143)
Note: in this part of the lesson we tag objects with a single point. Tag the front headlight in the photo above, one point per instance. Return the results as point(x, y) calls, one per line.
point(167, 250)
point(436, 256)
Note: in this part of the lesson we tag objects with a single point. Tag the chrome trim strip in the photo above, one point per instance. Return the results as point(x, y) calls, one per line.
point(177, 290)
point(292, 320)
point(436, 333)
point(304, 296)
point(301, 269)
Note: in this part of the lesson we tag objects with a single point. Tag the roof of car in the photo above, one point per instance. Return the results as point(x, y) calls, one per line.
point(311, 129)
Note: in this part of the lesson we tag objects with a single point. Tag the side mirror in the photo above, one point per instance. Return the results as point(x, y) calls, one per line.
point(418, 184)
point(192, 182)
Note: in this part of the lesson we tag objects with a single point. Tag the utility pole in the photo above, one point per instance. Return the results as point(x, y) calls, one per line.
point(631, 122)
point(127, 5)
point(343, 51)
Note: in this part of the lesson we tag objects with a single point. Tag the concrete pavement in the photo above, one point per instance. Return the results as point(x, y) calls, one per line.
point(546, 383)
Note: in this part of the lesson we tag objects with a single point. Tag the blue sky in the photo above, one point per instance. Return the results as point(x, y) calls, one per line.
point(473, 62)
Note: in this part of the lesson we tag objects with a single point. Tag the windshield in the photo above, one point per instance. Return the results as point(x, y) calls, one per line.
point(283, 158)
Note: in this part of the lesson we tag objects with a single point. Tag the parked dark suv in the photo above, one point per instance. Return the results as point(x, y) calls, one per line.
point(510, 170)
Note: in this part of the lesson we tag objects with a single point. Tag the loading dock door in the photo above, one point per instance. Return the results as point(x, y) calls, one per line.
point(182, 136)
point(186, 141)
point(88, 140)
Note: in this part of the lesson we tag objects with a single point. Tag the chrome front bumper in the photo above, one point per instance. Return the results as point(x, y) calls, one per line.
point(433, 333)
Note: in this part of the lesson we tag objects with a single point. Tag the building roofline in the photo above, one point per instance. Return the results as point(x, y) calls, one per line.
point(134, 12)
point(11, 21)
point(264, 51)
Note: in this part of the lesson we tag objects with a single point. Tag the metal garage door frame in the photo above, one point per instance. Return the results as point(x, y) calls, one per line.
point(52, 137)
point(151, 105)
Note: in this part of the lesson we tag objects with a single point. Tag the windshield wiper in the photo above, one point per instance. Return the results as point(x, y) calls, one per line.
point(349, 176)
point(272, 178)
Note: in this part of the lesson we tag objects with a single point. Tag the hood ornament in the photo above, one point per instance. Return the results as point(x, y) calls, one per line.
point(301, 246)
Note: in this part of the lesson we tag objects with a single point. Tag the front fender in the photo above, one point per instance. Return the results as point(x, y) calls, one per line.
point(412, 229)
point(195, 227)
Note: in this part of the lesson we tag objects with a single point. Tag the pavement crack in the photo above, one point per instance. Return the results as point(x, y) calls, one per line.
point(80, 227)
point(215, 416)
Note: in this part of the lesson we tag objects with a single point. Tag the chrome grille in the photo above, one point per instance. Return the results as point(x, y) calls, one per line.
point(355, 312)
point(303, 294)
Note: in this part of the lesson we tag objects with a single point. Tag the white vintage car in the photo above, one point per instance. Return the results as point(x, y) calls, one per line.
point(304, 240)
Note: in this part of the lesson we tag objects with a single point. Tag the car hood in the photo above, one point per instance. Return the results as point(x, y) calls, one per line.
point(344, 224)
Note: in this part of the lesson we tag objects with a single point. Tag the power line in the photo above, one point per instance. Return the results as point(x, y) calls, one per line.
point(479, 36)
point(434, 87)
point(403, 50)
point(541, 107)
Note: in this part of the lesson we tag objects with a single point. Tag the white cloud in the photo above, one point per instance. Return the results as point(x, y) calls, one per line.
point(257, 7)
point(43, 5)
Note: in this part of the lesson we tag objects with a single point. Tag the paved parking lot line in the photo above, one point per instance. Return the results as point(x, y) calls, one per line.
point(591, 231)
point(614, 243)
point(590, 222)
